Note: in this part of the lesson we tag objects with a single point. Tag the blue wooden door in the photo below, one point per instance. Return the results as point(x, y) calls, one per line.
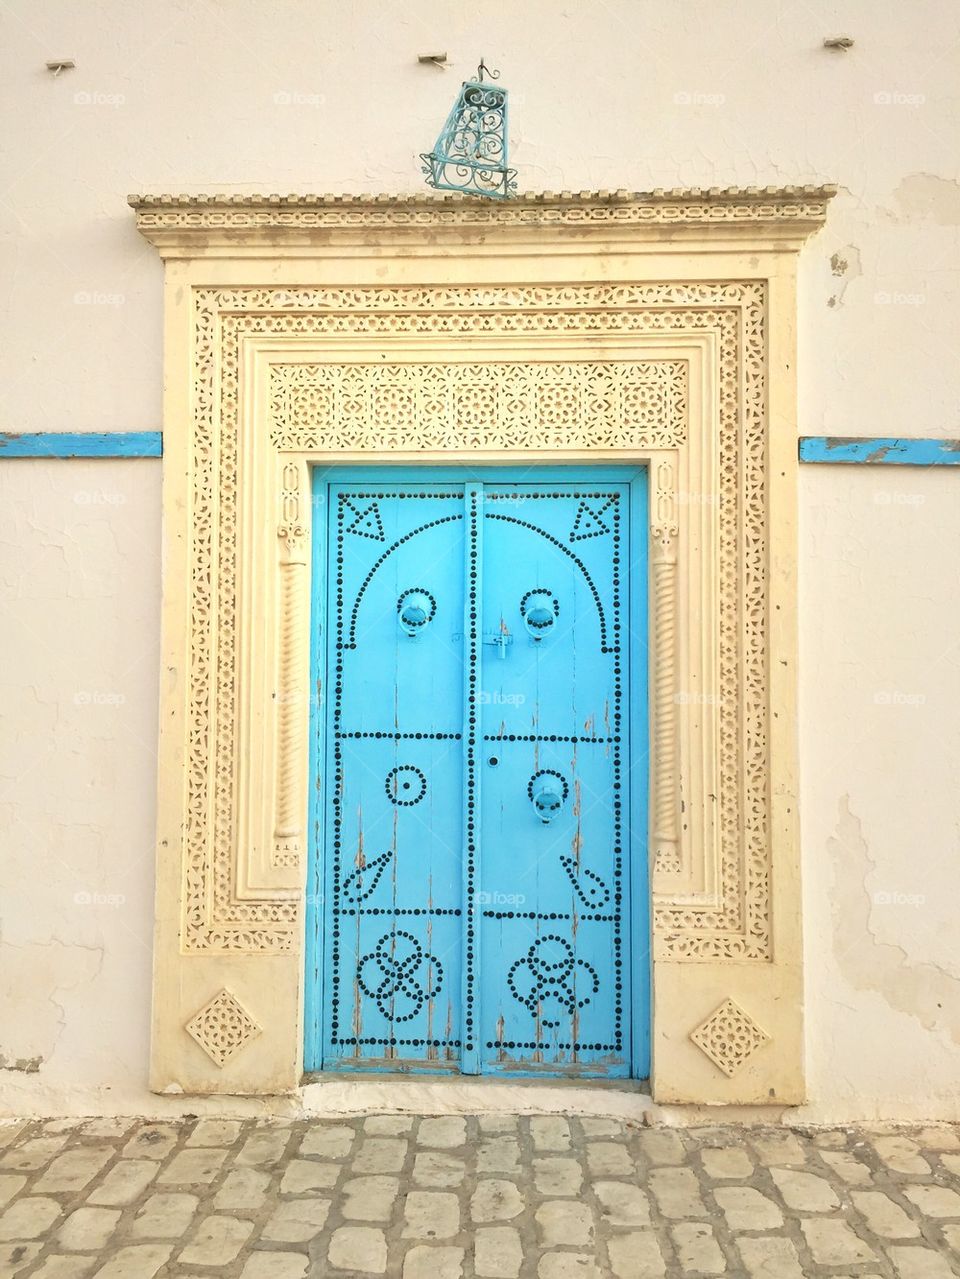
point(480, 900)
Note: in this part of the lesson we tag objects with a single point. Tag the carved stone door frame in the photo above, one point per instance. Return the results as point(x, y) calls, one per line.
point(640, 329)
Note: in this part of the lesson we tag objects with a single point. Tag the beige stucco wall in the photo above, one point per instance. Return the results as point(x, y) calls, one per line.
point(307, 96)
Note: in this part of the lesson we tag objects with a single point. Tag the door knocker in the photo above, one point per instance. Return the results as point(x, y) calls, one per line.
point(539, 610)
point(415, 609)
point(547, 792)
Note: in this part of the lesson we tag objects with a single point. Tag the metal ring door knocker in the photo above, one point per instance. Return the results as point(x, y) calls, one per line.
point(547, 792)
point(415, 609)
point(539, 610)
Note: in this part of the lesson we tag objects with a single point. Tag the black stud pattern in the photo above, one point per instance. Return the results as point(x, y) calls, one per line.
point(553, 916)
point(399, 976)
point(472, 724)
point(405, 785)
point(545, 980)
point(337, 790)
point(575, 1047)
point(548, 772)
point(367, 522)
point(408, 737)
point(594, 894)
point(512, 519)
point(362, 882)
point(428, 614)
point(539, 609)
point(617, 790)
point(548, 737)
point(589, 521)
point(401, 541)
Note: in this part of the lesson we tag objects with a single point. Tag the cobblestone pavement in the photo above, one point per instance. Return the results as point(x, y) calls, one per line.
point(499, 1198)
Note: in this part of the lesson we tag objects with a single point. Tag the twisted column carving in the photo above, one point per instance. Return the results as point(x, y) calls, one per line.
point(666, 753)
point(291, 693)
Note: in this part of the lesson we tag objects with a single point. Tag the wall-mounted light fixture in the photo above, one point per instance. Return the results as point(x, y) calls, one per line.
point(470, 155)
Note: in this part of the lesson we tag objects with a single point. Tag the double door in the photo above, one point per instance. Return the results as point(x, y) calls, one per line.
point(478, 892)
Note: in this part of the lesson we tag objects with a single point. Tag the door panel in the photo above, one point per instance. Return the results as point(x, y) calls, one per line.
point(552, 947)
point(473, 811)
point(394, 826)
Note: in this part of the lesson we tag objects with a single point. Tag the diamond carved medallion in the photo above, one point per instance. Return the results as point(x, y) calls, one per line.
point(222, 1027)
point(728, 1037)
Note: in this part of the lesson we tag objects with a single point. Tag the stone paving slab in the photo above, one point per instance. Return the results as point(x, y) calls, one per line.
point(489, 1197)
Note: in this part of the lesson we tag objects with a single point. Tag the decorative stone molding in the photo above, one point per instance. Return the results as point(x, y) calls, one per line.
point(306, 358)
point(797, 209)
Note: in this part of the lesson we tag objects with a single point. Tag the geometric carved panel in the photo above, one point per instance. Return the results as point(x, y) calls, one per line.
point(222, 1027)
point(729, 1037)
point(583, 404)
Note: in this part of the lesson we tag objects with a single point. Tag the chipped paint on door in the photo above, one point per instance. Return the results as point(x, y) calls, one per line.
point(480, 891)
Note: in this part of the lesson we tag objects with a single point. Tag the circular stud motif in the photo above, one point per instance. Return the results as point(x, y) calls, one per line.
point(545, 980)
point(405, 785)
point(399, 976)
point(416, 607)
point(547, 791)
point(539, 610)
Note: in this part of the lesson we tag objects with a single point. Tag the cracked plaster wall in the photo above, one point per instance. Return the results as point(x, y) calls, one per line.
point(256, 96)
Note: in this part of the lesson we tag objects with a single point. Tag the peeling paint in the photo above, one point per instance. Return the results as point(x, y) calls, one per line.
point(929, 196)
point(845, 265)
point(920, 989)
point(28, 1065)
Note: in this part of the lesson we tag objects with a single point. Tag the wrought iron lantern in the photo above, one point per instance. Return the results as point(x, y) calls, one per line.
point(470, 155)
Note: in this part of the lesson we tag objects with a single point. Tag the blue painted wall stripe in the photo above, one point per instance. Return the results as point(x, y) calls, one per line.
point(66, 444)
point(885, 451)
